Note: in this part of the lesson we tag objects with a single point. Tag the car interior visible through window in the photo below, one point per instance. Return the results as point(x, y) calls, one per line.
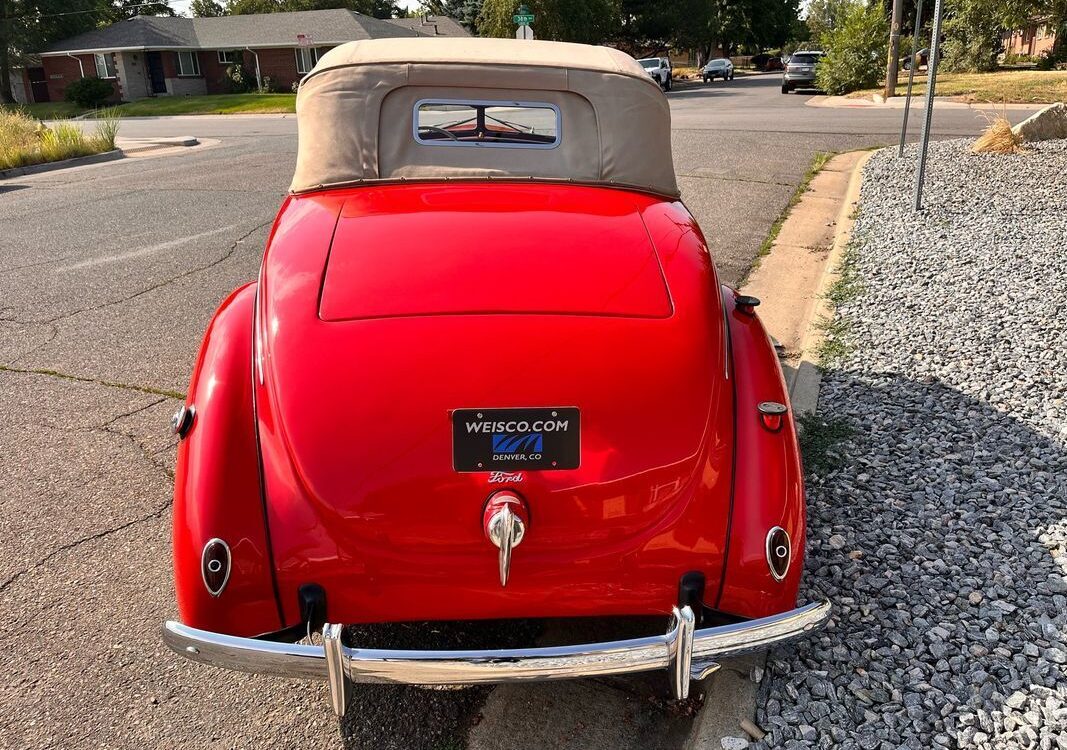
point(450, 122)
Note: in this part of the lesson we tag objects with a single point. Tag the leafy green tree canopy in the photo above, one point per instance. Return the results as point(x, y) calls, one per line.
point(206, 9)
point(855, 41)
point(376, 8)
point(589, 21)
point(464, 11)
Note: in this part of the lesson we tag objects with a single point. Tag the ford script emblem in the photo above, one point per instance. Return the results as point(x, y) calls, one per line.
point(503, 477)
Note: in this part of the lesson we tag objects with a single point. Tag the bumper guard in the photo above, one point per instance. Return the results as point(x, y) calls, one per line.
point(686, 653)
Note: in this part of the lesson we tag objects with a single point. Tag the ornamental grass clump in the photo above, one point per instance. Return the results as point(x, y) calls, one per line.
point(998, 138)
point(25, 140)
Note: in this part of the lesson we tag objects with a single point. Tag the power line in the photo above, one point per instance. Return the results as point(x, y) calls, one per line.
point(80, 12)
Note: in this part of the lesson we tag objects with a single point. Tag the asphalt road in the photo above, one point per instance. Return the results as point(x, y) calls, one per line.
point(108, 275)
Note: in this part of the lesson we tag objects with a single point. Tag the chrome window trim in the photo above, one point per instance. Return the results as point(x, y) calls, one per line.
point(487, 103)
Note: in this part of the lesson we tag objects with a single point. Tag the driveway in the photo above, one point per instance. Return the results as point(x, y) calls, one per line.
point(108, 275)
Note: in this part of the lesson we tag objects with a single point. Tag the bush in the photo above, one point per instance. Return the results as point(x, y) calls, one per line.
point(971, 44)
point(89, 93)
point(1012, 58)
point(108, 129)
point(24, 140)
point(856, 48)
point(239, 80)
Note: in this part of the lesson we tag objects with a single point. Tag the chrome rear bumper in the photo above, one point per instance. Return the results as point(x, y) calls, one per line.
point(687, 654)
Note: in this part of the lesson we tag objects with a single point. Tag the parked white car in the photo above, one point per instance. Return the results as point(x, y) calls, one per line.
point(718, 68)
point(660, 70)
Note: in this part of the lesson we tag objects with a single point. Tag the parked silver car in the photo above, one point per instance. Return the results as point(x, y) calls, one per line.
point(799, 71)
point(718, 68)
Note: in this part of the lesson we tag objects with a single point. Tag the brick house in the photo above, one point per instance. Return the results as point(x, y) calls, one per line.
point(1035, 39)
point(158, 56)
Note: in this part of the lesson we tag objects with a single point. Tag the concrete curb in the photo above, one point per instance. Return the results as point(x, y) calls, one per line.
point(62, 164)
point(139, 145)
point(917, 100)
point(804, 393)
point(802, 267)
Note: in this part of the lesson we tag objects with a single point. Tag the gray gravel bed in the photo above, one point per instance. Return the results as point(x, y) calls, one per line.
point(941, 532)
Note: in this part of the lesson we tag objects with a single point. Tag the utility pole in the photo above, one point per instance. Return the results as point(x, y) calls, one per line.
point(894, 50)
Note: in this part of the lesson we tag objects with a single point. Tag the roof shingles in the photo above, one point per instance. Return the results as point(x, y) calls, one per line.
point(235, 32)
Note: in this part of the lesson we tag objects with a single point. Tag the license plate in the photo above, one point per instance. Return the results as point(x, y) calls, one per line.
point(543, 439)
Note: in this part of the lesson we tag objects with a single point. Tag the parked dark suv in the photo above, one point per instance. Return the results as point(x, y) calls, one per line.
point(800, 70)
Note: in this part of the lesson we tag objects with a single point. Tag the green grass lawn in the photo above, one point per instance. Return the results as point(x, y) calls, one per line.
point(214, 104)
point(1000, 87)
point(47, 110)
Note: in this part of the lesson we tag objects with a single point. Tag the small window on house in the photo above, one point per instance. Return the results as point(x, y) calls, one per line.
point(105, 65)
point(306, 57)
point(188, 64)
point(229, 56)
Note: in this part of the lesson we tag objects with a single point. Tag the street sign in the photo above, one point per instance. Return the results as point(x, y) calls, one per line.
point(524, 32)
point(524, 17)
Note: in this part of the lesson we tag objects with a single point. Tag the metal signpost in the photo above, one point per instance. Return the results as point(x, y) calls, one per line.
point(931, 81)
point(523, 19)
point(911, 73)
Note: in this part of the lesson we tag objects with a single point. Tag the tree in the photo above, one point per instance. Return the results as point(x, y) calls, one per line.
point(825, 15)
point(589, 21)
point(855, 45)
point(651, 26)
point(376, 8)
point(125, 9)
point(28, 26)
point(464, 11)
point(973, 29)
point(206, 9)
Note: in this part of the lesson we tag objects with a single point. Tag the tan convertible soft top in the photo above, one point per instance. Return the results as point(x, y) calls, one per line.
point(355, 113)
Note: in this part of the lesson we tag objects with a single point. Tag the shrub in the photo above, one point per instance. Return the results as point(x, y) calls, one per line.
point(1013, 58)
point(64, 141)
point(89, 93)
point(855, 49)
point(108, 129)
point(998, 138)
point(24, 140)
point(270, 86)
point(239, 80)
point(1051, 61)
point(18, 136)
point(971, 44)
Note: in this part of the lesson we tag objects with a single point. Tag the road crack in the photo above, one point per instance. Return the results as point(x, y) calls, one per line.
point(198, 269)
point(150, 456)
point(157, 513)
point(97, 381)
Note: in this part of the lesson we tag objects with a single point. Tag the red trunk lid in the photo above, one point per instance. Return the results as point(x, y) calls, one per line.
point(468, 250)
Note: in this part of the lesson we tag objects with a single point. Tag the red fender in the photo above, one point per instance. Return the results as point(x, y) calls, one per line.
point(768, 479)
point(217, 488)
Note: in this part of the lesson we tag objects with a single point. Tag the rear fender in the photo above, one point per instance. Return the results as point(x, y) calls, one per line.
point(217, 487)
point(768, 479)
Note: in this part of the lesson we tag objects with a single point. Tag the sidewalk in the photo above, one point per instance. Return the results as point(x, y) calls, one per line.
point(917, 101)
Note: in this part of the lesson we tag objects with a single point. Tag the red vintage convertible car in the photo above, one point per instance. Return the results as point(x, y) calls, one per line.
point(487, 371)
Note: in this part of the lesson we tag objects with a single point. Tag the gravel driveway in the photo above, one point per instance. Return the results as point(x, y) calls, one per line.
point(938, 525)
